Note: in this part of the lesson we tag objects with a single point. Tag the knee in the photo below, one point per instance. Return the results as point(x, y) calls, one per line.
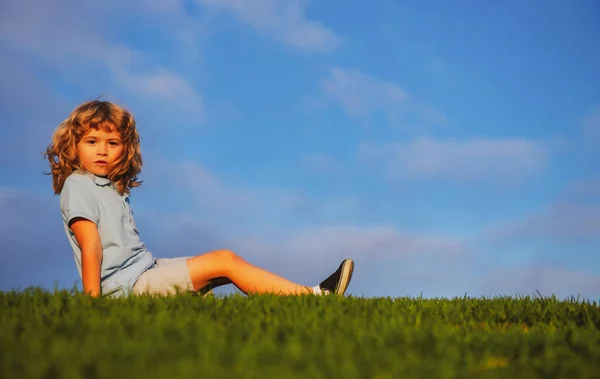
point(227, 257)
point(228, 261)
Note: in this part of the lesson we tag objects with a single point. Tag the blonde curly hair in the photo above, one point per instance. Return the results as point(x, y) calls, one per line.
point(95, 114)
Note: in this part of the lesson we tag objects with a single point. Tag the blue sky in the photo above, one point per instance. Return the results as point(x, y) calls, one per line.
point(447, 147)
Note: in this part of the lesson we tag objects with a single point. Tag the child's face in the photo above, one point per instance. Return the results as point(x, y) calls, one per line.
point(97, 149)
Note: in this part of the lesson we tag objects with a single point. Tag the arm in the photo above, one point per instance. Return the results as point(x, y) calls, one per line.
point(88, 239)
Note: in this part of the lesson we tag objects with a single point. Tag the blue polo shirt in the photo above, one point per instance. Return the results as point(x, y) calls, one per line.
point(124, 256)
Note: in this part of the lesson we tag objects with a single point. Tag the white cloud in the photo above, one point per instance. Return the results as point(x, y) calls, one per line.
point(76, 39)
point(164, 85)
point(587, 147)
point(472, 159)
point(361, 94)
point(591, 123)
point(211, 195)
point(322, 163)
point(559, 221)
point(583, 190)
point(372, 242)
point(389, 261)
point(277, 214)
point(283, 20)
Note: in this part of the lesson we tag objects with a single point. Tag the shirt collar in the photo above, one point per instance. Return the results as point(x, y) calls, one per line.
point(99, 180)
point(102, 181)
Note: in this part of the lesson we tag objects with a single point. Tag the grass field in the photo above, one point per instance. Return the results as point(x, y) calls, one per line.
point(68, 335)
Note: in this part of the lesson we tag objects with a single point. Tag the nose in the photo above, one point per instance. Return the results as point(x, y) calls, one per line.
point(102, 149)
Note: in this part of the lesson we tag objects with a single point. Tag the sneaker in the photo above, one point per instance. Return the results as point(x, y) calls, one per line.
point(337, 282)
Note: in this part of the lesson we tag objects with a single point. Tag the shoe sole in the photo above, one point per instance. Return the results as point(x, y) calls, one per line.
point(345, 277)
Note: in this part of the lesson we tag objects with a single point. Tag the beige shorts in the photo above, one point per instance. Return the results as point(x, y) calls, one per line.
point(167, 277)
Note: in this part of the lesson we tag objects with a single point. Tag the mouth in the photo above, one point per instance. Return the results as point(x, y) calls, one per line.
point(101, 162)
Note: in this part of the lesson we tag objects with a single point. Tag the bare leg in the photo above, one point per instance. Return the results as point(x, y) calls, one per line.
point(248, 278)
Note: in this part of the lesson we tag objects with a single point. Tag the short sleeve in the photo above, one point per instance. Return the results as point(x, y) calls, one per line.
point(78, 201)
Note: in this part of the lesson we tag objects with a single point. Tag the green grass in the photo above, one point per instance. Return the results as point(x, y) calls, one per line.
point(68, 335)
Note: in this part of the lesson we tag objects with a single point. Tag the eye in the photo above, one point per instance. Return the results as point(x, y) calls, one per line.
point(91, 141)
point(115, 143)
